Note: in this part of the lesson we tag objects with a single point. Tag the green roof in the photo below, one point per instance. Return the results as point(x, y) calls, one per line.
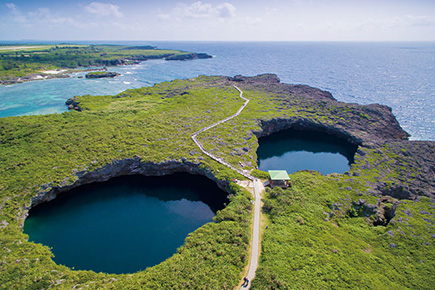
point(278, 175)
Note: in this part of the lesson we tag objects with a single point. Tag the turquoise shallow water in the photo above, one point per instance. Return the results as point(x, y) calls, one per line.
point(126, 224)
point(298, 150)
point(400, 75)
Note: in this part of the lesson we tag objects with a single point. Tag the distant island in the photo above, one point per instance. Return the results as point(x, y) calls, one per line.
point(371, 227)
point(101, 74)
point(37, 62)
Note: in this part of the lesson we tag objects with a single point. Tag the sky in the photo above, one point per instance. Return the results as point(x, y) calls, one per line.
point(215, 20)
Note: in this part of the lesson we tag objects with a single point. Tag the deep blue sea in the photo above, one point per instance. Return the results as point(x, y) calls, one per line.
point(400, 75)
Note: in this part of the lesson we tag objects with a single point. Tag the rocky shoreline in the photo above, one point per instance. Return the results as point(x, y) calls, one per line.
point(33, 77)
point(104, 63)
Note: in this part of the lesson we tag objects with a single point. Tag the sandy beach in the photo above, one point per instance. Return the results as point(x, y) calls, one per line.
point(54, 72)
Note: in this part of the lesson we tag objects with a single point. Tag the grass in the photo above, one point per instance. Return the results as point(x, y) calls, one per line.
point(33, 48)
point(22, 61)
point(306, 249)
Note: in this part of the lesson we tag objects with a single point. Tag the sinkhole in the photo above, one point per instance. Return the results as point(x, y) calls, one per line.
point(126, 224)
point(295, 150)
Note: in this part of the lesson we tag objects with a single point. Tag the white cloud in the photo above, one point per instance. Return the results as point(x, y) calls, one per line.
point(164, 16)
point(407, 21)
point(45, 16)
point(103, 9)
point(11, 6)
point(205, 10)
point(226, 10)
point(251, 20)
point(418, 20)
point(15, 13)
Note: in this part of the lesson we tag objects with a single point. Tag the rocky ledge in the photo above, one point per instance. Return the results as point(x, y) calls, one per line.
point(359, 124)
point(129, 166)
point(402, 169)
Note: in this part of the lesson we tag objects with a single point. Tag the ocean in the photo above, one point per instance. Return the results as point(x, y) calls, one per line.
point(398, 74)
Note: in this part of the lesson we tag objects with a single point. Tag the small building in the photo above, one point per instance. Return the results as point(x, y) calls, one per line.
point(278, 178)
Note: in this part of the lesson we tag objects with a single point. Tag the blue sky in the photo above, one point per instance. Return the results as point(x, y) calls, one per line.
point(232, 20)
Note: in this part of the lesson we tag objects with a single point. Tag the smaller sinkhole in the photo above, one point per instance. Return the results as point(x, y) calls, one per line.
point(294, 150)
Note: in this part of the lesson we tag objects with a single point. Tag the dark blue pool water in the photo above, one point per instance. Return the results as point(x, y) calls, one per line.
point(126, 224)
point(294, 150)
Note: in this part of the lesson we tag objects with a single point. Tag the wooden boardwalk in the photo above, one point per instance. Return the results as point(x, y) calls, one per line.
point(212, 156)
point(258, 188)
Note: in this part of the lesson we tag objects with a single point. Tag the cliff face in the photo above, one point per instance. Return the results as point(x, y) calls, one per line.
point(272, 83)
point(358, 124)
point(129, 166)
point(402, 169)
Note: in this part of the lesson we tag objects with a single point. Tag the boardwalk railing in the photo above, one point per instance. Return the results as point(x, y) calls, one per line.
point(214, 157)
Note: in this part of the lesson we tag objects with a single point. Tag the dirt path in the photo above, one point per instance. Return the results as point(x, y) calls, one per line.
point(258, 188)
point(255, 241)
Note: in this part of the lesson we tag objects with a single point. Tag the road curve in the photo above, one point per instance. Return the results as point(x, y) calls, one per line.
point(258, 188)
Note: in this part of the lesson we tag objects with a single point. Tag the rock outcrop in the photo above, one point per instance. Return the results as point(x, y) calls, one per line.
point(100, 75)
point(73, 104)
point(359, 124)
point(188, 56)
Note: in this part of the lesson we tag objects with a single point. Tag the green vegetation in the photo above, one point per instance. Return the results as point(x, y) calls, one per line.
point(263, 175)
point(153, 124)
point(20, 61)
point(97, 73)
point(101, 74)
point(318, 240)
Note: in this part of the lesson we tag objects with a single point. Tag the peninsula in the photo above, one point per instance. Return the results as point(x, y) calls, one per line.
point(372, 227)
point(37, 62)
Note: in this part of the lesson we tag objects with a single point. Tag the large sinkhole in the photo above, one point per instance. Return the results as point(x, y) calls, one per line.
point(125, 224)
point(295, 150)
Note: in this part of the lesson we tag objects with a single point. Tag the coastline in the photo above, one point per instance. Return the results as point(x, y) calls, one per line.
point(66, 73)
point(60, 62)
point(132, 133)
